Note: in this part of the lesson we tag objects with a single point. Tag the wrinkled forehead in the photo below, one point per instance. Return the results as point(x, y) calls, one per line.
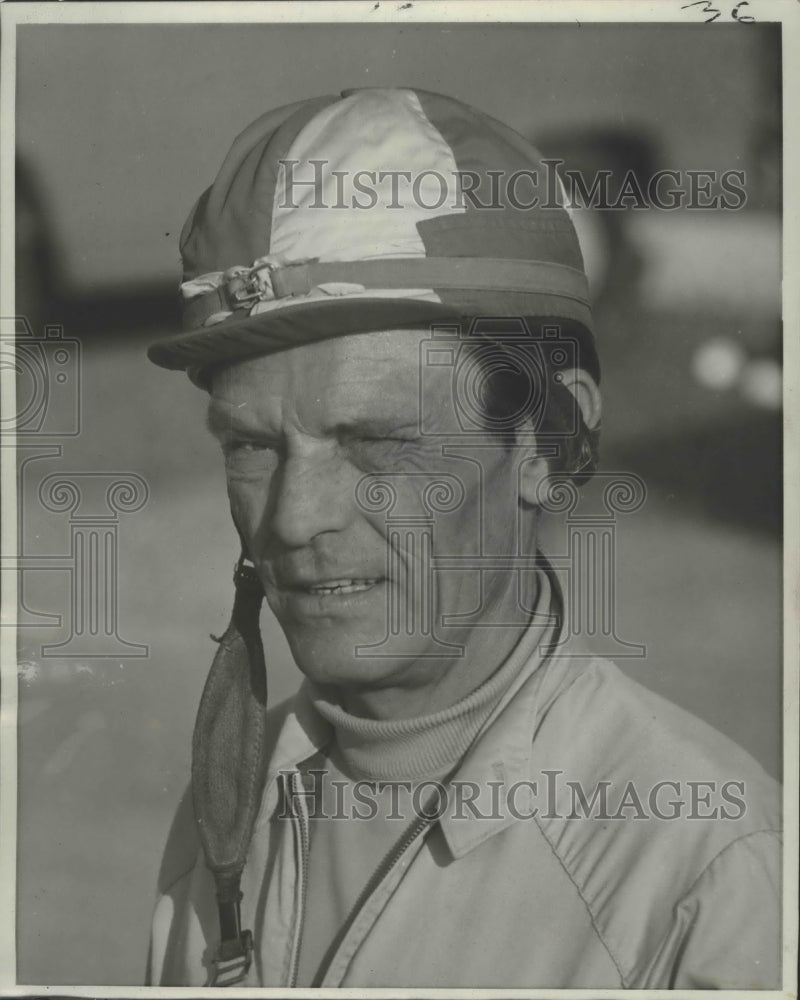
point(344, 376)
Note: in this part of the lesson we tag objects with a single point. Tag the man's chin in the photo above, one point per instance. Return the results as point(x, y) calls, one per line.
point(355, 664)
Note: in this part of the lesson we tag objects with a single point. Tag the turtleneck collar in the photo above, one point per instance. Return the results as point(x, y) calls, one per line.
point(428, 746)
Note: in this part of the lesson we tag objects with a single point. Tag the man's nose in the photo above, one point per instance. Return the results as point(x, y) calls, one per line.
point(312, 495)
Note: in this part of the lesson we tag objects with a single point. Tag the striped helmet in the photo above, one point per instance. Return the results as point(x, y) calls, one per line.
point(379, 209)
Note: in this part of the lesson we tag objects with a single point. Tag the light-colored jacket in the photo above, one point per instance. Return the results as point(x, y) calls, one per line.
point(584, 894)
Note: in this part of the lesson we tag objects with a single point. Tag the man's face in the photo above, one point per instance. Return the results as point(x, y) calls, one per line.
point(300, 430)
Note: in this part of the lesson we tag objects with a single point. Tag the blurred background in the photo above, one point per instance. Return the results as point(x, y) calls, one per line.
point(119, 129)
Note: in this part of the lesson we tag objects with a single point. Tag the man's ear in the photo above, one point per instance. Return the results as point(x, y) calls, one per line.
point(587, 395)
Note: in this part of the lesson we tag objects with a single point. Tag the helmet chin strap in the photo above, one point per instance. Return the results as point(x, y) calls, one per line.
point(229, 766)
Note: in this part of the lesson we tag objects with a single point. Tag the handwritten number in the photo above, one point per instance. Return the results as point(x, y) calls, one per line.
point(706, 8)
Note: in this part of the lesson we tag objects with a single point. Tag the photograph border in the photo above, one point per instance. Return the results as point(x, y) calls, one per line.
point(787, 13)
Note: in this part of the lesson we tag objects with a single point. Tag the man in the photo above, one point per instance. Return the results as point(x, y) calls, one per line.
point(386, 302)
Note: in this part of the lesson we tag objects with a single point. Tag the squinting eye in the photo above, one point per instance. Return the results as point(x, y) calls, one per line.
point(250, 458)
point(246, 447)
point(379, 452)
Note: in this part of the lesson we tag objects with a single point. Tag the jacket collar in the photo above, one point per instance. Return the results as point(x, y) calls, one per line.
point(500, 756)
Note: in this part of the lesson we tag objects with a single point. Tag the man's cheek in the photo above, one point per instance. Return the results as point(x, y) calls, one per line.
point(248, 506)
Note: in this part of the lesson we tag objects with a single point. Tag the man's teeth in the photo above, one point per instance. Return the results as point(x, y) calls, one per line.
point(342, 586)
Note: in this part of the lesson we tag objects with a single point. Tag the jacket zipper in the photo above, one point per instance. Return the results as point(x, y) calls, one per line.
point(299, 810)
point(422, 824)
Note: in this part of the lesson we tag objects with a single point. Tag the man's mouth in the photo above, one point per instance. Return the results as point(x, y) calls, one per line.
point(344, 586)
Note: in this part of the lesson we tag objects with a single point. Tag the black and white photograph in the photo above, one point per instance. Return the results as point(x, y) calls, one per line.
point(400, 498)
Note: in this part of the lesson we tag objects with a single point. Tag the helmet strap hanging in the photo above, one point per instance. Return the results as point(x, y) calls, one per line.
point(228, 767)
